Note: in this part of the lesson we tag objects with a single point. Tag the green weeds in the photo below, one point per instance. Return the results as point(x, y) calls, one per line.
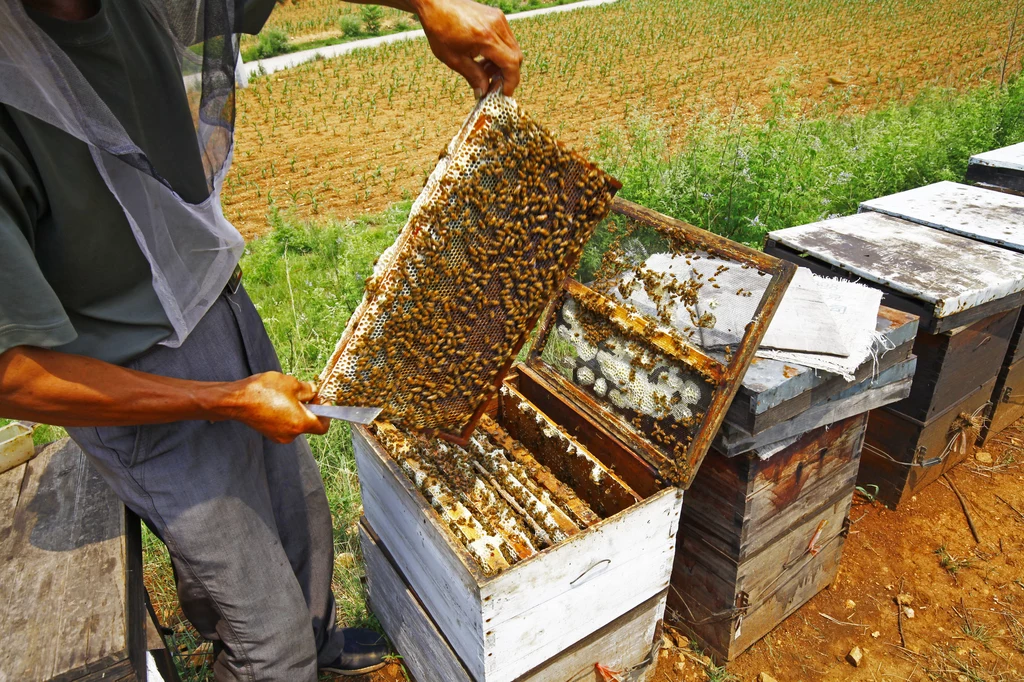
point(743, 176)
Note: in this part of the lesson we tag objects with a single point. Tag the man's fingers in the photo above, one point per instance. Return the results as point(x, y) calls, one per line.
point(473, 72)
point(305, 391)
point(507, 60)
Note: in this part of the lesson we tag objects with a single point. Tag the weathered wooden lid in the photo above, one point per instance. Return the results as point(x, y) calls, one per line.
point(947, 279)
point(1000, 169)
point(973, 212)
point(1011, 157)
point(774, 391)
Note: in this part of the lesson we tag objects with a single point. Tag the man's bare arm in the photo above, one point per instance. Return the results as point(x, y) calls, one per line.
point(72, 390)
point(471, 39)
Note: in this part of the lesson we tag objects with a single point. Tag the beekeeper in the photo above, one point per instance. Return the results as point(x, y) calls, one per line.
point(123, 318)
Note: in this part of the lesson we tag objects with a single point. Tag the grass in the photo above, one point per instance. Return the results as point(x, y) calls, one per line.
point(745, 175)
point(952, 564)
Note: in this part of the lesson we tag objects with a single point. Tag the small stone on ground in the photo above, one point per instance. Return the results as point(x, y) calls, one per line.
point(855, 656)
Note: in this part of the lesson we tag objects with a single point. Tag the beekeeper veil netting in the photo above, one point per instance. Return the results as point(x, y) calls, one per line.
point(191, 248)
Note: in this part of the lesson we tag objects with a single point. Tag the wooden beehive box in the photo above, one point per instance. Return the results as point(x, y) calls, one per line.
point(762, 527)
point(902, 455)
point(779, 401)
point(516, 623)
point(630, 642)
point(987, 216)
point(1000, 169)
point(758, 538)
point(504, 626)
point(966, 292)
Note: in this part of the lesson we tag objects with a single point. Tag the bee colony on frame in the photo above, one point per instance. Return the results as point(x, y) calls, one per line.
point(502, 219)
point(493, 494)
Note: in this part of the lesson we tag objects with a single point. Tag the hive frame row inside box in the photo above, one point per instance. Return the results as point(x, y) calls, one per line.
point(547, 611)
point(968, 294)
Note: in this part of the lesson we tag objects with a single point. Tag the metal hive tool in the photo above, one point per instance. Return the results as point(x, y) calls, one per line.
point(501, 222)
point(655, 345)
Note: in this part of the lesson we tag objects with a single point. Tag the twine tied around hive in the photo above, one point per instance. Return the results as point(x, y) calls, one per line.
point(965, 430)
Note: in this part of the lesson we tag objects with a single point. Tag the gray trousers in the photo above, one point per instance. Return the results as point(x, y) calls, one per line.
point(245, 520)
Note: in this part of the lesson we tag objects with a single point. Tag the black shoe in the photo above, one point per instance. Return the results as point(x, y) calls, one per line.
point(364, 652)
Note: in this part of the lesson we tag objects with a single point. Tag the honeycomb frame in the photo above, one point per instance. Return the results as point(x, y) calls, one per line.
point(501, 221)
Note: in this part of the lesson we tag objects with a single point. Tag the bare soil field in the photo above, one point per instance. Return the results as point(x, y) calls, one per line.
point(353, 134)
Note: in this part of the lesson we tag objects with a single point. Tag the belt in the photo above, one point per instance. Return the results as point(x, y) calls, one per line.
point(236, 281)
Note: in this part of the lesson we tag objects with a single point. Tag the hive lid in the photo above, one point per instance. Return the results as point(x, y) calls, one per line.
point(977, 213)
point(774, 391)
point(654, 346)
point(946, 279)
point(500, 223)
point(1010, 158)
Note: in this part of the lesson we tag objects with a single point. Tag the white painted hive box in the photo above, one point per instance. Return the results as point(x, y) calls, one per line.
point(502, 626)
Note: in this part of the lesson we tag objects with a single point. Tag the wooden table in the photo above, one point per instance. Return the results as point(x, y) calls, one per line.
point(70, 574)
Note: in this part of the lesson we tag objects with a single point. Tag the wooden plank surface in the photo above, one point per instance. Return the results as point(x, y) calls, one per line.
point(892, 436)
point(63, 572)
point(952, 365)
point(974, 212)
point(1007, 400)
point(424, 649)
point(947, 272)
point(773, 391)
point(890, 386)
point(744, 503)
point(707, 589)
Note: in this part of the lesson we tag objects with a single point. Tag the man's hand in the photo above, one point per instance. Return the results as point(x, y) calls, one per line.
point(70, 390)
point(472, 39)
point(272, 403)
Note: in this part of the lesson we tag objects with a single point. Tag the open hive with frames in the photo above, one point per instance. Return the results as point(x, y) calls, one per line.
point(501, 221)
point(655, 344)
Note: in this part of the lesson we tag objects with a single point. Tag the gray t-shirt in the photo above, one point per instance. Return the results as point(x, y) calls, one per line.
point(72, 277)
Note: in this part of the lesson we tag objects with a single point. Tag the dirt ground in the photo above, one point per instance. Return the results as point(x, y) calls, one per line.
point(963, 611)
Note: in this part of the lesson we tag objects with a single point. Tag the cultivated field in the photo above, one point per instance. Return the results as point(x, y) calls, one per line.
point(353, 134)
point(307, 20)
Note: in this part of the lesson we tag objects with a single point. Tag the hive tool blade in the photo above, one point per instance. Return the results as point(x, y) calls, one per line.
point(356, 415)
